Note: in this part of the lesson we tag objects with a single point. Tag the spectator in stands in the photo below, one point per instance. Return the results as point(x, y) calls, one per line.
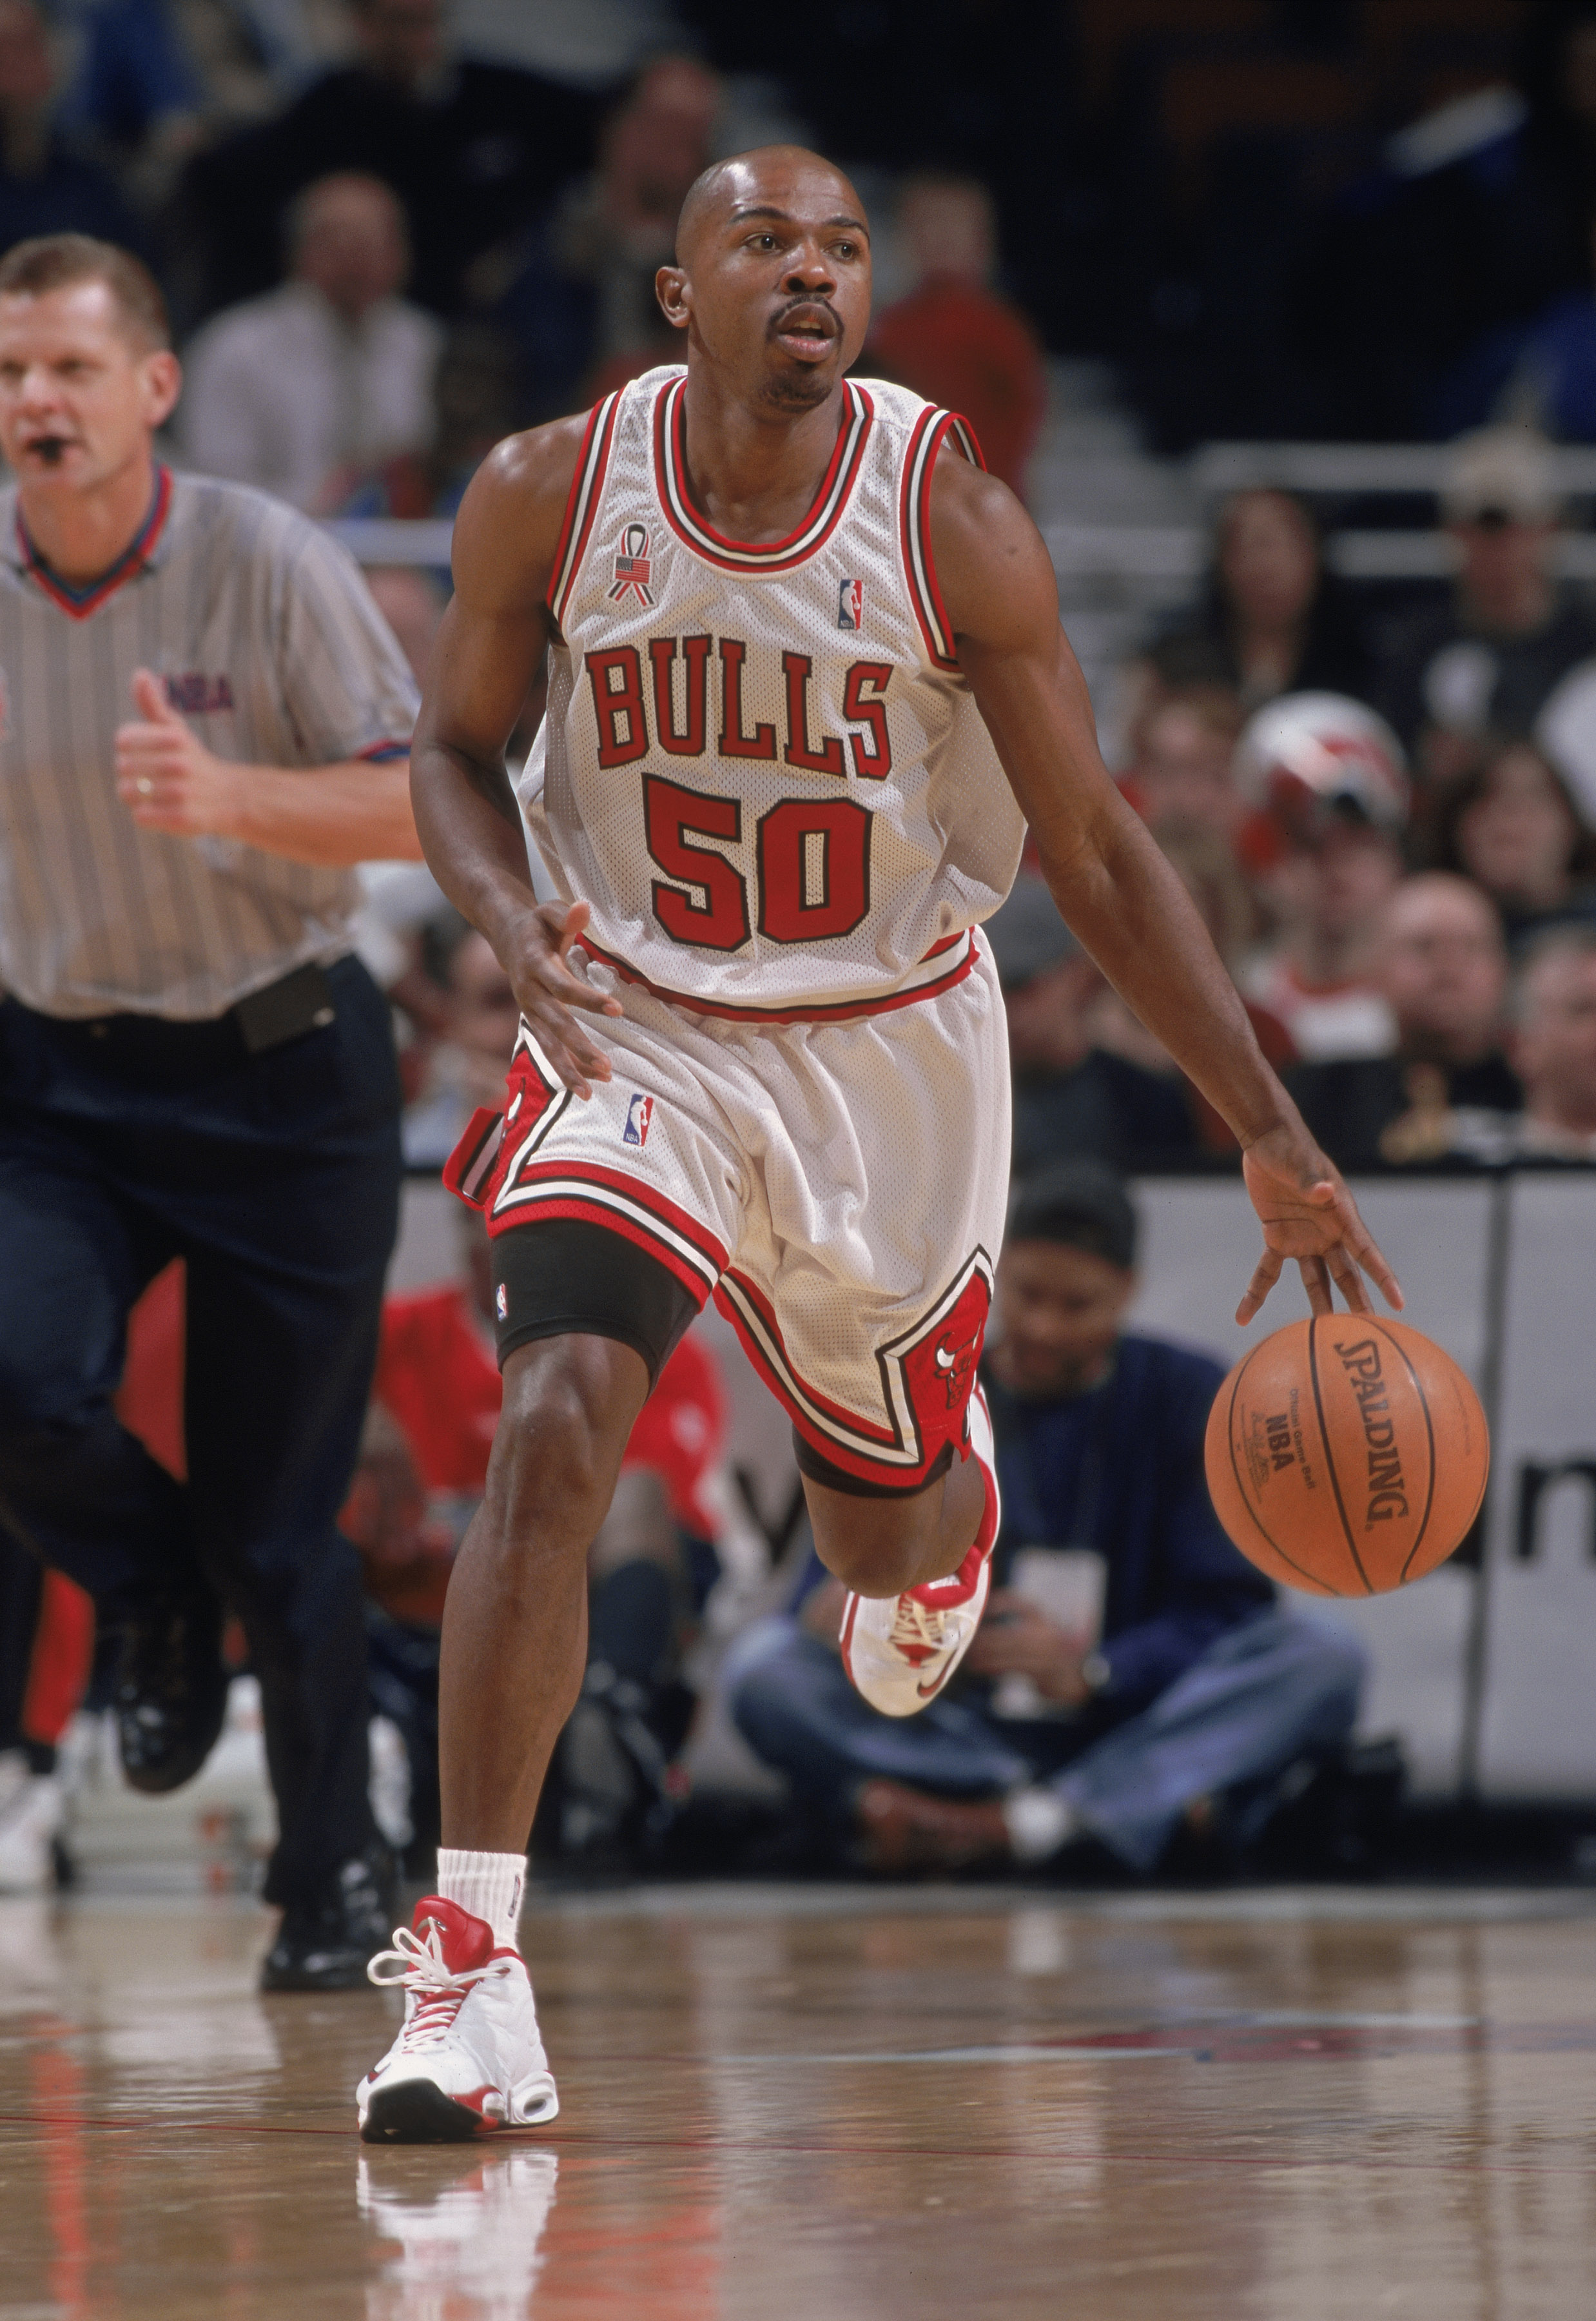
point(45, 187)
point(1543, 372)
point(299, 391)
point(1487, 661)
point(1181, 1703)
point(1553, 1045)
point(1273, 620)
point(1072, 1095)
point(954, 339)
point(437, 1393)
point(157, 78)
point(1317, 978)
point(472, 150)
point(1182, 742)
point(1440, 964)
point(1509, 823)
point(1325, 781)
point(1473, 221)
point(576, 292)
point(476, 402)
point(467, 1068)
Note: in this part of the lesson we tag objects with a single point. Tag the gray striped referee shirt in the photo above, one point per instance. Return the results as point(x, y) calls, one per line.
point(271, 647)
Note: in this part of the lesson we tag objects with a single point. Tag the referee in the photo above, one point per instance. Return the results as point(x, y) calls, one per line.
point(203, 722)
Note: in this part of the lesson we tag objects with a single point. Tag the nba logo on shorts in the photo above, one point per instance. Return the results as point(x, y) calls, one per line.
point(640, 1111)
point(502, 1304)
point(850, 605)
point(632, 567)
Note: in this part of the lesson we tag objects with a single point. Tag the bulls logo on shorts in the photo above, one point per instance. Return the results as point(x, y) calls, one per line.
point(939, 1367)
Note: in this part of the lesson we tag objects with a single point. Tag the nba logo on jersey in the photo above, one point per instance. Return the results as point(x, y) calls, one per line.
point(640, 1111)
point(632, 565)
point(850, 605)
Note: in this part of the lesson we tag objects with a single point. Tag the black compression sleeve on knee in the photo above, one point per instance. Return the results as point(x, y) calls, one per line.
point(820, 1469)
point(564, 1277)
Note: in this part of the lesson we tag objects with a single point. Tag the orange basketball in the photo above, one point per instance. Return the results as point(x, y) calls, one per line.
point(1347, 1455)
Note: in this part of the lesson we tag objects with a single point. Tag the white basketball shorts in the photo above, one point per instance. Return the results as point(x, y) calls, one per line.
point(839, 1187)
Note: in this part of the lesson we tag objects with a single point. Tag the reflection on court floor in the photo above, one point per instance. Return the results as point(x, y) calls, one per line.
point(831, 2105)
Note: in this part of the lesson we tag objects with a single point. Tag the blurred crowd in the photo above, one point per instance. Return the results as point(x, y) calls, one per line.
point(1389, 824)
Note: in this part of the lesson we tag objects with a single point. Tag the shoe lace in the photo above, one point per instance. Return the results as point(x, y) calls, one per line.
point(918, 1629)
point(437, 1991)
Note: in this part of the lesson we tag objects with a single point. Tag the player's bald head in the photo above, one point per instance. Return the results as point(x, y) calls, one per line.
point(769, 178)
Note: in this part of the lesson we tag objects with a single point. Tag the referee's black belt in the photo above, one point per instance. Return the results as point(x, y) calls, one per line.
point(162, 1047)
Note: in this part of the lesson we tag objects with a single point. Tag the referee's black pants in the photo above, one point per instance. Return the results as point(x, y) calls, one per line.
point(276, 1178)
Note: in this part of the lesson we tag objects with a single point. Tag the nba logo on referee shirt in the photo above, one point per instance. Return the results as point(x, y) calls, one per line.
point(640, 1111)
point(850, 605)
point(633, 565)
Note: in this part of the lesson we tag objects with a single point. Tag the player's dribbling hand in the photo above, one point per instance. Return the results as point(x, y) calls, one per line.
point(547, 985)
point(167, 778)
point(1307, 1212)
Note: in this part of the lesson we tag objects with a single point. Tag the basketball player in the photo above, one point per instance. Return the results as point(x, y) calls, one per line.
point(808, 683)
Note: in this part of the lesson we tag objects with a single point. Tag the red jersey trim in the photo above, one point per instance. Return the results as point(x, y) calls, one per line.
point(899, 1452)
point(844, 1011)
point(752, 1315)
point(670, 466)
point(609, 1196)
point(931, 430)
point(622, 1223)
point(131, 560)
point(582, 502)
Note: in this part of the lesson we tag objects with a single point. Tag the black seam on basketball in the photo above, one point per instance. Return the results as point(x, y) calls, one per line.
point(1429, 1496)
point(1324, 1436)
point(1317, 1585)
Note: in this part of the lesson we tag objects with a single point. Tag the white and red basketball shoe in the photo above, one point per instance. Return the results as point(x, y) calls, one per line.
point(470, 2060)
point(899, 1651)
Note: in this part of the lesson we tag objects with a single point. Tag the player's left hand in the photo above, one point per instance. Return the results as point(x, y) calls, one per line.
point(166, 777)
point(1307, 1212)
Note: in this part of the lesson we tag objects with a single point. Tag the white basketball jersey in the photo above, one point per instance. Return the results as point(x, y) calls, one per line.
point(760, 765)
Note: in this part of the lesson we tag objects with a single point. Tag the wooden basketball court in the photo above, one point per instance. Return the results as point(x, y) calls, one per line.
point(832, 2105)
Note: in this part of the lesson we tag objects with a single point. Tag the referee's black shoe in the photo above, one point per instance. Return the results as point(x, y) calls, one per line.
point(324, 1942)
point(171, 1685)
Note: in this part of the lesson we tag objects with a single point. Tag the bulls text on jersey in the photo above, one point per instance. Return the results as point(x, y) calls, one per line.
point(761, 766)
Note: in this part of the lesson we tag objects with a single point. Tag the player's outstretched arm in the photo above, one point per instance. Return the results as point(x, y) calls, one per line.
point(1117, 892)
point(489, 649)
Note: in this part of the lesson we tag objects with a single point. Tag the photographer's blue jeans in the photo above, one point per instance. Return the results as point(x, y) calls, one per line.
point(1278, 1687)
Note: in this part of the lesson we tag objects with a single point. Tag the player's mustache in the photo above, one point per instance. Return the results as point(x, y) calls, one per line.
point(810, 305)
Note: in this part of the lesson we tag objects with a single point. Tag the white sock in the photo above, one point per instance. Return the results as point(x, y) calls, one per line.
point(489, 1885)
point(1039, 1822)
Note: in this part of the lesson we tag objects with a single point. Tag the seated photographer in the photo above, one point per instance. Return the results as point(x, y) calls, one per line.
point(1174, 1701)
